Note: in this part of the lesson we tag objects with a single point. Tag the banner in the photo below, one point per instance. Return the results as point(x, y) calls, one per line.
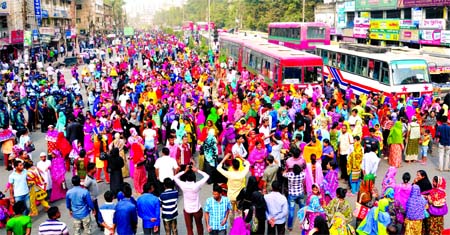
point(16, 37)
point(407, 24)
point(4, 7)
point(445, 37)
point(27, 40)
point(349, 6)
point(432, 24)
point(416, 15)
point(430, 37)
point(128, 31)
point(363, 5)
point(361, 27)
point(385, 29)
point(423, 3)
point(439, 70)
point(409, 35)
point(47, 31)
point(38, 12)
point(341, 22)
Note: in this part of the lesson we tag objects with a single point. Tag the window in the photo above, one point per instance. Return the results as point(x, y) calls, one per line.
point(376, 14)
point(258, 64)
point(407, 14)
point(342, 62)
point(332, 61)
point(376, 71)
point(384, 73)
point(251, 61)
point(275, 74)
point(266, 68)
point(361, 67)
point(409, 72)
point(79, 7)
point(292, 75)
point(311, 74)
point(434, 13)
point(315, 33)
point(3, 22)
point(395, 14)
point(350, 19)
point(350, 65)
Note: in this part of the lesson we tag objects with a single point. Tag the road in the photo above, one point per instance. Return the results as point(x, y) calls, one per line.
point(39, 139)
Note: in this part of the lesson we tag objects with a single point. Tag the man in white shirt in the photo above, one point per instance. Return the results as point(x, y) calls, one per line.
point(345, 144)
point(149, 136)
point(191, 197)
point(265, 129)
point(165, 166)
point(44, 166)
point(370, 162)
point(238, 148)
point(354, 118)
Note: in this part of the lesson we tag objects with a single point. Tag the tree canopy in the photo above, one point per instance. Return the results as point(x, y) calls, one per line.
point(244, 14)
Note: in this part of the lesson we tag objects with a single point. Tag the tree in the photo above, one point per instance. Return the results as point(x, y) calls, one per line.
point(117, 12)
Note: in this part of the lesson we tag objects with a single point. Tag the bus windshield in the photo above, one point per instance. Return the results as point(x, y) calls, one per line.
point(315, 32)
point(409, 72)
point(292, 75)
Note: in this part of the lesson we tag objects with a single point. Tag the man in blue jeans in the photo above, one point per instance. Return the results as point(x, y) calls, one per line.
point(79, 204)
point(19, 188)
point(296, 191)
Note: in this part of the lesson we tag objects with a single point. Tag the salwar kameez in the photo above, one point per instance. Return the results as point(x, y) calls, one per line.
point(413, 227)
point(434, 225)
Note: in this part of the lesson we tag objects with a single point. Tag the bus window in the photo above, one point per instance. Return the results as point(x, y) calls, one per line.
point(311, 74)
point(251, 60)
point(324, 55)
point(258, 64)
point(364, 66)
point(292, 75)
point(266, 68)
point(371, 65)
point(315, 32)
point(376, 71)
point(275, 74)
point(384, 73)
point(342, 63)
point(351, 61)
point(332, 60)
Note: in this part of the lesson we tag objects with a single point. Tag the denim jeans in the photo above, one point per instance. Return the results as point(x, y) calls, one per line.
point(292, 200)
point(26, 199)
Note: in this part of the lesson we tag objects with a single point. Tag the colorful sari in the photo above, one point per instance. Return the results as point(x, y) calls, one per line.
point(415, 212)
point(257, 168)
point(329, 185)
point(354, 166)
point(437, 208)
point(139, 173)
point(134, 138)
point(340, 226)
point(389, 179)
point(58, 173)
point(51, 137)
point(395, 140)
point(376, 220)
point(308, 213)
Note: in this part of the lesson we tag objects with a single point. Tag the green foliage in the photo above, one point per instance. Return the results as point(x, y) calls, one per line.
point(244, 14)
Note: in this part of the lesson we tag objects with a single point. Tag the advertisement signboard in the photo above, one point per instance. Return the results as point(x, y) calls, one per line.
point(47, 31)
point(128, 31)
point(349, 6)
point(38, 12)
point(439, 70)
point(27, 41)
point(409, 35)
point(4, 7)
point(416, 15)
point(361, 27)
point(385, 29)
point(430, 37)
point(16, 36)
point(341, 22)
point(432, 24)
point(363, 5)
point(423, 3)
point(445, 37)
point(407, 24)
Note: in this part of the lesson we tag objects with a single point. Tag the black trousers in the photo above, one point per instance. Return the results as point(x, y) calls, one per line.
point(343, 166)
point(279, 229)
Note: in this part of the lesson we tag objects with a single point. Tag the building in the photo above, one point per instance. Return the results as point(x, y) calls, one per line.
point(89, 17)
point(413, 23)
point(108, 18)
point(56, 20)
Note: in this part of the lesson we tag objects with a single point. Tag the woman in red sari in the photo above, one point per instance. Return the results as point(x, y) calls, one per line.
point(140, 175)
point(64, 148)
point(437, 207)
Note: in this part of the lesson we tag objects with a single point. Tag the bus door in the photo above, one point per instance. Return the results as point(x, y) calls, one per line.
point(275, 73)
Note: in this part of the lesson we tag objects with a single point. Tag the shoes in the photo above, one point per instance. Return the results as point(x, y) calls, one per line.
point(99, 181)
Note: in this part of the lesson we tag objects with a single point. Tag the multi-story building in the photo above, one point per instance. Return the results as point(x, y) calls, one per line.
point(414, 23)
point(89, 17)
point(56, 20)
point(108, 18)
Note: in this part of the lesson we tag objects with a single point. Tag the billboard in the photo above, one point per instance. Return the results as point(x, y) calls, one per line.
point(422, 3)
point(363, 5)
point(361, 27)
point(430, 37)
point(128, 31)
point(385, 29)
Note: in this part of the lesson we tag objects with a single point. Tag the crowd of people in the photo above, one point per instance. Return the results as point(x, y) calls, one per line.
point(174, 120)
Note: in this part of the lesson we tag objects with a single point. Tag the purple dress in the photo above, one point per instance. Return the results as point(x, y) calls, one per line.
point(329, 185)
point(88, 144)
point(58, 174)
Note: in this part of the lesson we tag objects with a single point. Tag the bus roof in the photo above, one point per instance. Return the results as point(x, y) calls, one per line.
point(387, 56)
point(279, 52)
point(295, 24)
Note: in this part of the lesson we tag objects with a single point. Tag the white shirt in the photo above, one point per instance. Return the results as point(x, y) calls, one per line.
point(370, 163)
point(44, 167)
point(239, 149)
point(345, 141)
point(266, 131)
point(149, 134)
point(123, 100)
point(166, 165)
point(191, 196)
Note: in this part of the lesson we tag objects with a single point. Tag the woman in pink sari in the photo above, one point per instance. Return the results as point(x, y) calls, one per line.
point(51, 137)
point(133, 139)
point(257, 161)
point(58, 174)
point(88, 143)
point(314, 174)
point(403, 190)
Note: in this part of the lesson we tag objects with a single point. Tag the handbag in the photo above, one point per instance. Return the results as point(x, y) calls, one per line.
point(360, 211)
point(438, 211)
point(30, 148)
point(104, 156)
point(41, 195)
point(254, 223)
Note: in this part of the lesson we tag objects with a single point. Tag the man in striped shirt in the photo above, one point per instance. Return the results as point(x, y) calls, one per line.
point(53, 226)
point(169, 205)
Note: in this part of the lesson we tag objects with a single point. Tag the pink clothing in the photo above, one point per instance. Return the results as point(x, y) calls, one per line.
point(309, 180)
point(258, 167)
point(173, 150)
point(57, 172)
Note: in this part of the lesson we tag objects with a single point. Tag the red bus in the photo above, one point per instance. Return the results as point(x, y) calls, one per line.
point(188, 26)
point(300, 36)
point(277, 65)
point(203, 26)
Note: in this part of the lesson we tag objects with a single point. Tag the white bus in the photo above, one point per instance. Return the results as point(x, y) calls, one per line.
point(375, 69)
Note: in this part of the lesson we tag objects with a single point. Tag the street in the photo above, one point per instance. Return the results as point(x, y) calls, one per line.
point(40, 143)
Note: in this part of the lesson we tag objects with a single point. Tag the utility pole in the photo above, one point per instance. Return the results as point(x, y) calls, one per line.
point(209, 24)
point(303, 12)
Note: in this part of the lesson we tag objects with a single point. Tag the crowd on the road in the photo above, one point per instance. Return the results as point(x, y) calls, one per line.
point(182, 120)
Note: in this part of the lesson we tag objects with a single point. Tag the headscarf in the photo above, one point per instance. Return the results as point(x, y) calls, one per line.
point(213, 116)
point(376, 220)
point(133, 132)
point(415, 207)
point(339, 225)
point(389, 178)
point(389, 193)
point(396, 134)
point(314, 206)
point(437, 196)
